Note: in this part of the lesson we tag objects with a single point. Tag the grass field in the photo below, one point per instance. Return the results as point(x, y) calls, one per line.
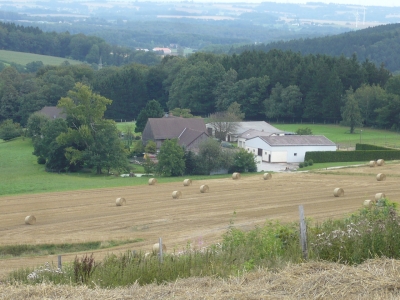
point(23, 58)
point(20, 174)
point(340, 134)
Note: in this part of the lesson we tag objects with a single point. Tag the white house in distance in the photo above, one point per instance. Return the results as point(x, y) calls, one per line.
point(287, 148)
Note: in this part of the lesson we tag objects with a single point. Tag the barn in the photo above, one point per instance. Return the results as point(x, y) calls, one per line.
point(287, 148)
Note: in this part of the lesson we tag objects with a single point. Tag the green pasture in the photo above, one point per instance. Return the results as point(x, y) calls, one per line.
point(20, 174)
point(124, 126)
point(23, 58)
point(341, 135)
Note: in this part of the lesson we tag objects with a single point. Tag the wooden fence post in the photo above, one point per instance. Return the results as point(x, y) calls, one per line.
point(59, 262)
point(161, 250)
point(303, 232)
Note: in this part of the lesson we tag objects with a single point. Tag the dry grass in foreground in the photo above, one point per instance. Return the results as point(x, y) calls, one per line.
point(374, 279)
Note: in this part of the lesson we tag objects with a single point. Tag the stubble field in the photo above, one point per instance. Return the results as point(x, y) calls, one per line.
point(201, 219)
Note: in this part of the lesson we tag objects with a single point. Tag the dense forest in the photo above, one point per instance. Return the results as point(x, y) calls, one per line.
point(274, 85)
point(380, 44)
point(76, 46)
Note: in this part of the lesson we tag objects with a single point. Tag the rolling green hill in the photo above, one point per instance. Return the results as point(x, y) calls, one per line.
point(380, 44)
point(23, 58)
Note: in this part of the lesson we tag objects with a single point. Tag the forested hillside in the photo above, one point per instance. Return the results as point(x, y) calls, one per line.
point(76, 46)
point(380, 44)
point(274, 85)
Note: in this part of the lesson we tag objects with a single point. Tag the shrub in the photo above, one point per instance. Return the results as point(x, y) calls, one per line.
point(301, 165)
point(305, 163)
point(310, 162)
point(304, 131)
point(41, 160)
point(344, 156)
point(151, 147)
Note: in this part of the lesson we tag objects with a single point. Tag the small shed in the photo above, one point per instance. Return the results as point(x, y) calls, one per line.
point(287, 148)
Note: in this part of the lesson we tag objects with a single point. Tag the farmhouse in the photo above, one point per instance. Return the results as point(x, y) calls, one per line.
point(242, 127)
point(189, 131)
point(287, 148)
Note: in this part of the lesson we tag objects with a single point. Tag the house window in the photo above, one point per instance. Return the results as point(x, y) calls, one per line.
point(295, 154)
point(254, 150)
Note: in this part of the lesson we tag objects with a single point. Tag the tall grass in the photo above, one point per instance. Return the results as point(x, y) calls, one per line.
point(369, 233)
point(51, 249)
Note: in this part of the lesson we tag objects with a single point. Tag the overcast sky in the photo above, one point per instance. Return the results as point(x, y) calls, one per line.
point(357, 2)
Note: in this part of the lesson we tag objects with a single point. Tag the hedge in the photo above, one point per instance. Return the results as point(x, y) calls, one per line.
point(371, 147)
point(343, 156)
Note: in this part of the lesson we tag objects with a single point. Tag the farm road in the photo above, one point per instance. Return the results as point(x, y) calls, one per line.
point(201, 219)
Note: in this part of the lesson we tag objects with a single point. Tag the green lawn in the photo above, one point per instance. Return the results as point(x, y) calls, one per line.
point(20, 174)
point(23, 58)
point(340, 134)
point(123, 126)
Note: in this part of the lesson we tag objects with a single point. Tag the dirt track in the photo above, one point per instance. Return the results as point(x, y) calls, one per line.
point(150, 213)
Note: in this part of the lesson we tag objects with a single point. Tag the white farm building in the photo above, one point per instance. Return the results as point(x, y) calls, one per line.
point(287, 148)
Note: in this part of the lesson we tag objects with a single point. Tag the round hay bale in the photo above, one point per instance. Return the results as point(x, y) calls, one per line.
point(120, 201)
point(372, 163)
point(379, 196)
point(176, 194)
point(152, 181)
point(381, 177)
point(236, 175)
point(380, 162)
point(156, 248)
point(338, 192)
point(368, 203)
point(30, 220)
point(204, 188)
point(267, 176)
point(187, 182)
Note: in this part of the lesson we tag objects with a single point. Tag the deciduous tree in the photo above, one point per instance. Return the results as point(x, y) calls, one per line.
point(95, 140)
point(351, 115)
point(171, 160)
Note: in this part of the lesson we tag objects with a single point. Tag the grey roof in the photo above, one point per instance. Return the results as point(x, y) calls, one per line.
point(251, 133)
point(297, 140)
point(188, 136)
point(53, 112)
point(169, 128)
point(254, 125)
point(257, 125)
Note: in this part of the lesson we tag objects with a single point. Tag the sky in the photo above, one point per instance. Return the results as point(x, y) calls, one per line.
point(357, 2)
point(392, 3)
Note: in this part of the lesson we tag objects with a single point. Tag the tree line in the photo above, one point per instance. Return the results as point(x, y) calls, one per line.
point(81, 47)
point(273, 86)
point(379, 44)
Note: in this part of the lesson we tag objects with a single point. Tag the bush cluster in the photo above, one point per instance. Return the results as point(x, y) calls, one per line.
point(306, 163)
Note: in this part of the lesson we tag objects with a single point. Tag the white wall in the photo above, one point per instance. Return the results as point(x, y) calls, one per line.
point(294, 154)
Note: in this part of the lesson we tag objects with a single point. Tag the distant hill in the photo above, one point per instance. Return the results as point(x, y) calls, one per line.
point(380, 44)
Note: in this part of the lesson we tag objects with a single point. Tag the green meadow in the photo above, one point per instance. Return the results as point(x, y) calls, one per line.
point(21, 174)
point(341, 134)
point(23, 58)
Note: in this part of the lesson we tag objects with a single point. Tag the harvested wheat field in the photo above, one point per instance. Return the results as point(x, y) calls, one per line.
point(374, 279)
point(150, 211)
